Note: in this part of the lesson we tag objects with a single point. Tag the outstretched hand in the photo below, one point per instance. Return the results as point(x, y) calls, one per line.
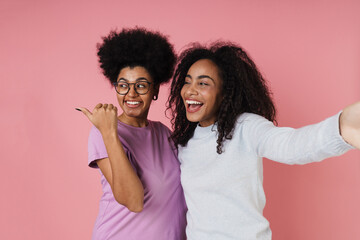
point(104, 117)
point(350, 124)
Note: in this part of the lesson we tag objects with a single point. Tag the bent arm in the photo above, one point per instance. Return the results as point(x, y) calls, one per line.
point(118, 171)
point(105, 145)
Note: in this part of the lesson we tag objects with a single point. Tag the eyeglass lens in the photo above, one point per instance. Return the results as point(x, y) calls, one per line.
point(141, 87)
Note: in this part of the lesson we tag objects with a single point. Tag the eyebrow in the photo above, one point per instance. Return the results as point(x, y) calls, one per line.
point(138, 79)
point(200, 77)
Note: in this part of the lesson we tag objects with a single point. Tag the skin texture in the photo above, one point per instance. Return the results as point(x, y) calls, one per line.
point(203, 85)
point(117, 169)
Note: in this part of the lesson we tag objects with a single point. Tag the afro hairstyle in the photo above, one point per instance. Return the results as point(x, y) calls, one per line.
point(137, 47)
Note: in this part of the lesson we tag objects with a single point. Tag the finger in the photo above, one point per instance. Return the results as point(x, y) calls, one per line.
point(85, 111)
point(105, 105)
point(110, 106)
point(99, 105)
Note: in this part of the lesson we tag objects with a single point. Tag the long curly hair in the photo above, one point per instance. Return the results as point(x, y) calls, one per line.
point(137, 47)
point(244, 90)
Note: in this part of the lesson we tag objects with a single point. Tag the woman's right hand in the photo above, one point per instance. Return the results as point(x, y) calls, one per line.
point(103, 117)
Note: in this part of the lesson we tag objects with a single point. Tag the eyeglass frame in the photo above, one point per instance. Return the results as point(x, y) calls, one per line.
point(116, 83)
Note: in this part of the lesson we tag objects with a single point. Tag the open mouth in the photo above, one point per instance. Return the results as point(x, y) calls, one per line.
point(132, 104)
point(193, 106)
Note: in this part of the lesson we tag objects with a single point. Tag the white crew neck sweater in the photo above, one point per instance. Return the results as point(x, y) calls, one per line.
point(224, 192)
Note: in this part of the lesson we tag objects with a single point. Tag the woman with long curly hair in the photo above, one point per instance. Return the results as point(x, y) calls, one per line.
point(140, 175)
point(223, 118)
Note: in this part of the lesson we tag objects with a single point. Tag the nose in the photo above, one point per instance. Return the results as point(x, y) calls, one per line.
point(190, 89)
point(132, 92)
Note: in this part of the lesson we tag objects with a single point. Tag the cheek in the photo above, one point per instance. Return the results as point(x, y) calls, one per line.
point(119, 98)
point(213, 98)
point(182, 92)
point(120, 101)
point(148, 99)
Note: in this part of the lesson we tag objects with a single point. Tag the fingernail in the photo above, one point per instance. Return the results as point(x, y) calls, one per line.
point(78, 109)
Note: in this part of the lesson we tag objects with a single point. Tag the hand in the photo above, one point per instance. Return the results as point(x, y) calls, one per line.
point(104, 117)
point(350, 124)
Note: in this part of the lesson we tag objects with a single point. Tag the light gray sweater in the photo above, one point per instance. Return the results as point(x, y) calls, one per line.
point(224, 192)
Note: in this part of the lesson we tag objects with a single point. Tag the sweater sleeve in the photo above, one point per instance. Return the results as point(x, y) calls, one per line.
point(311, 143)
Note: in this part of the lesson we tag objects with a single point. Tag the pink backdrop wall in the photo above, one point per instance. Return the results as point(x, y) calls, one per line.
point(309, 51)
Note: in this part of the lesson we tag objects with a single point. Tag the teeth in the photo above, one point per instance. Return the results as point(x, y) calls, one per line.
point(132, 102)
point(193, 102)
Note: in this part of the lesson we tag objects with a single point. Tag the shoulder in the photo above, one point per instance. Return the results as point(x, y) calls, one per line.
point(251, 124)
point(96, 147)
point(95, 138)
point(159, 126)
point(251, 119)
point(163, 132)
point(94, 133)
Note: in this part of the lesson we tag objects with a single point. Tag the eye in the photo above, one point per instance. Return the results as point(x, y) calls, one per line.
point(142, 85)
point(203, 84)
point(122, 85)
point(187, 82)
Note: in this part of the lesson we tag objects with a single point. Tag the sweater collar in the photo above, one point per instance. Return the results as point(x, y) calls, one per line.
point(203, 132)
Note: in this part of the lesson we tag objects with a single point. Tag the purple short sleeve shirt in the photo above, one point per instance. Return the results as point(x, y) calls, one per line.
point(154, 158)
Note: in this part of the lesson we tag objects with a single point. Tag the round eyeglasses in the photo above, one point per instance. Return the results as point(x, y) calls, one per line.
point(141, 87)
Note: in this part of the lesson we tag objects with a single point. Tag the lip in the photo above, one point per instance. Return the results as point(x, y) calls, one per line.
point(131, 103)
point(192, 110)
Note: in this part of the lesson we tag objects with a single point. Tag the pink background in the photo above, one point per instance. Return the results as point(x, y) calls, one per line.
point(309, 51)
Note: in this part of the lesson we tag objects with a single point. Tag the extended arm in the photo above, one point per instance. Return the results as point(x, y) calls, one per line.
point(117, 169)
point(304, 145)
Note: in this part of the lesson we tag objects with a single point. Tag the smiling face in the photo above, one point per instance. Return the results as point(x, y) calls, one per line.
point(202, 92)
point(135, 106)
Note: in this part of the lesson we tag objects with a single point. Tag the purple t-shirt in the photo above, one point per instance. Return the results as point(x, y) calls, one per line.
point(154, 158)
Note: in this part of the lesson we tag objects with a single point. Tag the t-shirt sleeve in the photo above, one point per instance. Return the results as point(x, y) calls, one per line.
point(295, 146)
point(96, 147)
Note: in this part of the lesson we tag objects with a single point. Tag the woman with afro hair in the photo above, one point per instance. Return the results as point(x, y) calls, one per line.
point(223, 118)
point(140, 175)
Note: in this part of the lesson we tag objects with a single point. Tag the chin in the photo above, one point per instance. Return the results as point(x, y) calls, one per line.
point(133, 114)
point(192, 118)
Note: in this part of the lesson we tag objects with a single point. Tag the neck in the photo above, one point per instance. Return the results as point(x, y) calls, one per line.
point(133, 121)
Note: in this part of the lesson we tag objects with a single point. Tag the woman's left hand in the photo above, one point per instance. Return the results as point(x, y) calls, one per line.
point(350, 124)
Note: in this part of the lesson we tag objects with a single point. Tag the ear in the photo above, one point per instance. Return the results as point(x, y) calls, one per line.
point(156, 92)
